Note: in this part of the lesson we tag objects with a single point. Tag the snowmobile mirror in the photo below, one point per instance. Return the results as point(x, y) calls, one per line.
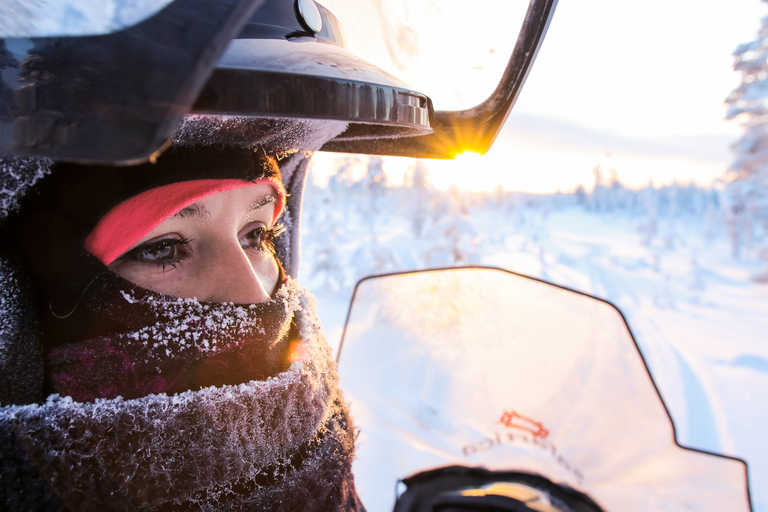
point(484, 367)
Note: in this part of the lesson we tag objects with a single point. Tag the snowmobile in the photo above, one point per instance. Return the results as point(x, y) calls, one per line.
point(542, 387)
point(473, 388)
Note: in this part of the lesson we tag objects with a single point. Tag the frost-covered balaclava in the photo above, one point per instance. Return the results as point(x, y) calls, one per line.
point(100, 337)
point(159, 403)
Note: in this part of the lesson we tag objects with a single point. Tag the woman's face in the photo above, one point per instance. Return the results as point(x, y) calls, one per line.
point(218, 249)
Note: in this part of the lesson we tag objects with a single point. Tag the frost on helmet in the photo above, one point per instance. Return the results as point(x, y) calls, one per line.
point(17, 175)
point(280, 135)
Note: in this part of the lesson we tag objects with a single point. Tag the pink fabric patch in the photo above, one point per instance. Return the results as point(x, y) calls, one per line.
point(131, 220)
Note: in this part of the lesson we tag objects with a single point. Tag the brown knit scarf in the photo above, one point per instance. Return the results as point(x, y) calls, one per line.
point(282, 443)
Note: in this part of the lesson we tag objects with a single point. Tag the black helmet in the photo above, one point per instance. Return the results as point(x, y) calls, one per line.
point(118, 93)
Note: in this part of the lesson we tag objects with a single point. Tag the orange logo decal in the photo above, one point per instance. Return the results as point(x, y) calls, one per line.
point(512, 419)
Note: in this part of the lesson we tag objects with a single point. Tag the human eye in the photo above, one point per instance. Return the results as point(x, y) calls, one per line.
point(160, 253)
point(261, 238)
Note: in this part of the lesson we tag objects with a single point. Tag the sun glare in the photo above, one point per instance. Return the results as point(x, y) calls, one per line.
point(466, 171)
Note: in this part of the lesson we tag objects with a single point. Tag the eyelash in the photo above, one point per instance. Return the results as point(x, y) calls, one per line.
point(269, 235)
point(175, 243)
point(266, 244)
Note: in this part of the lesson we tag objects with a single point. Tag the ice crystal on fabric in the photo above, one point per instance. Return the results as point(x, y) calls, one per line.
point(187, 325)
point(20, 358)
point(276, 134)
point(194, 446)
point(17, 175)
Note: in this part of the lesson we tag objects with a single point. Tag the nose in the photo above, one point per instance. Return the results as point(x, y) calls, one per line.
point(230, 277)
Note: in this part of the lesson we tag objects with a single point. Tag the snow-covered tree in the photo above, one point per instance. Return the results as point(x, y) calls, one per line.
point(325, 232)
point(616, 192)
point(649, 226)
point(328, 257)
point(373, 256)
point(671, 239)
point(454, 242)
point(342, 182)
point(453, 237)
point(581, 195)
point(747, 195)
point(597, 197)
point(373, 187)
point(419, 197)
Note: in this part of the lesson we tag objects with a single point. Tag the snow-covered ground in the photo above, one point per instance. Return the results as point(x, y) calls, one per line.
point(663, 257)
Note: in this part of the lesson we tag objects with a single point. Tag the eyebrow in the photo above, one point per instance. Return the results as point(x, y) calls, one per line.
point(193, 210)
point(198, 210)
point(263, 200)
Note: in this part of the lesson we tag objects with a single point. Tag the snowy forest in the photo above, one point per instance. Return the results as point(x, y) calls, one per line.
point(361, 225)
point(686, 264)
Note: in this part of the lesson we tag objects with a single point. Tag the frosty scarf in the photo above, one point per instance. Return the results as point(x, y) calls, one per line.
point(152, 343)
point(282, 443)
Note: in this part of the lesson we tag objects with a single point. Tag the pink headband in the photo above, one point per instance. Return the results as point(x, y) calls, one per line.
point(132, 219)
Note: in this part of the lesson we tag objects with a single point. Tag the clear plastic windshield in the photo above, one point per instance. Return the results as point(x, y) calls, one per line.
point(482, 367)
point(454, 52)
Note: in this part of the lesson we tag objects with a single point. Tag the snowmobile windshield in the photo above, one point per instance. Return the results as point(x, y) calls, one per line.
point(483, 367)
point(453, 52)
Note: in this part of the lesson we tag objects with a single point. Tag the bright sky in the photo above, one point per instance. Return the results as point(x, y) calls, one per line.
point(635, 86)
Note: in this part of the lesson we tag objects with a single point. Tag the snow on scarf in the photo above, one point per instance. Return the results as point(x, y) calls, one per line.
point(282, 443)
point(146, 342)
